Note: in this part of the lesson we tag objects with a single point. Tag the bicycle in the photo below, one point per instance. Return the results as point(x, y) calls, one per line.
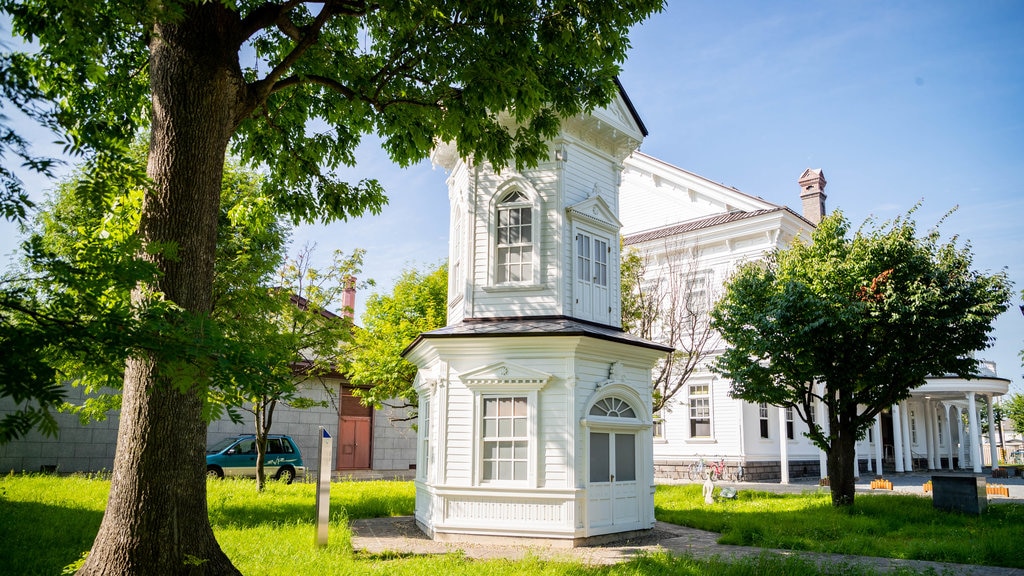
point(717, 470)
point(697, 470)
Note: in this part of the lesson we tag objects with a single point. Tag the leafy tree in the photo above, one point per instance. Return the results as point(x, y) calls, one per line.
point(291, 86)
point(63, 310)
point(418, 303)
point(854, 322)
point(669, 303)
point(299, 340)
point(1013, 410)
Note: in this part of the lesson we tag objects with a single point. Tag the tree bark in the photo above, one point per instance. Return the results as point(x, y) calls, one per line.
point(841, 468)
point(156, 520)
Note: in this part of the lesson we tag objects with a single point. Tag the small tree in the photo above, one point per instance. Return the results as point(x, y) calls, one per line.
point(670, 303)
point(418, 303)
point(1013, 410)
point(855, 323)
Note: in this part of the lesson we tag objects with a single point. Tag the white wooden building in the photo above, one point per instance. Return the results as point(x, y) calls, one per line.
point(535, 406)
point(668, 213)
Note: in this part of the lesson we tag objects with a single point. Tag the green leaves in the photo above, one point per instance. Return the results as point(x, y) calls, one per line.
point(867, 316)
point(418, 303)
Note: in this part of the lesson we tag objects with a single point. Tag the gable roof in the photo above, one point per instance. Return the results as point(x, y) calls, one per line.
point(632, 109)
point(704, 224)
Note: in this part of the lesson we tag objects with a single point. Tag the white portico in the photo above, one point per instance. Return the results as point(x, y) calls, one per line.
point(534, 405)
point(939, 426)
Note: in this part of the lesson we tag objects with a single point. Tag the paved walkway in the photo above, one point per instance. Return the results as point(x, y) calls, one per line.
point(400, 534)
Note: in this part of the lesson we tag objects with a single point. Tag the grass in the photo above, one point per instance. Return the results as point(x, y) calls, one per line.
point(890, 526)
point(47, 523)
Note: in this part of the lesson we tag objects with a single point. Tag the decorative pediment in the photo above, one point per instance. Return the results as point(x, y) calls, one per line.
point(595, 211)
point(504, 376)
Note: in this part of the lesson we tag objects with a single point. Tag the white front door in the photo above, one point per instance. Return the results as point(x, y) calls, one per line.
point(592, 277)
point(612, 498)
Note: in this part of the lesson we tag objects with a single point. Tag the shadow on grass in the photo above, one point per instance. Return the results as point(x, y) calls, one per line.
point(44, 538)
point(893, 526)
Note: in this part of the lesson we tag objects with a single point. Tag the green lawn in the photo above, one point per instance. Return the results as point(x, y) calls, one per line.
point(47, 523)
point(890, 525)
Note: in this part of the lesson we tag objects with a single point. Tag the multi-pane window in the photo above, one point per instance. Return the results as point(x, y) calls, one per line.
point(700, 411)
point(913, 428)
point(455, 273)
point(591, 259)
point(425, 439)
point(612, 407)
point(941, 427)
point(789, 422)
point(762, 416)
point(515, 239)
point(505, 439)
point(698, 294)
point(658, 428)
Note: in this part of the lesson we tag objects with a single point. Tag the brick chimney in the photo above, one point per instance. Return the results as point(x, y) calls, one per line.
point(348, 298)
point(812, 194)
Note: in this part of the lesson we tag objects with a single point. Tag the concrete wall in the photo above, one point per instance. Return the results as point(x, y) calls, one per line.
point(90, 447)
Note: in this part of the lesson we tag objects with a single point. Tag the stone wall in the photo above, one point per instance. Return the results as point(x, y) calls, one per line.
point(762, 471)
point(394, 439)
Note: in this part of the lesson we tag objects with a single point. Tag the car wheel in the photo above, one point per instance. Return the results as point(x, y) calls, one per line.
point(287, 474)
point(214, 472)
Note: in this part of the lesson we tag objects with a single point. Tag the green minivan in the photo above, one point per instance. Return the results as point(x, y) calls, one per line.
point(236, 456)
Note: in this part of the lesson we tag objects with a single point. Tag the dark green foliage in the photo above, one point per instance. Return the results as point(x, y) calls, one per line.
point(855, 322)
point(418, 303)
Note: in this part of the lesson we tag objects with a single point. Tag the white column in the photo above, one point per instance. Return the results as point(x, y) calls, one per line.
point(975, 432)
point(992, 448)
point(961, 449)
point(878, 445)
point(783, 447)
point(908, 447)
point(929, 429)
point(897, 437)
point(949, 435)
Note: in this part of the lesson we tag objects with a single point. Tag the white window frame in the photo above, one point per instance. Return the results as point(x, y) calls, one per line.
point(522, 205)
point(456, 276)
point(790, 425)
point(424, 459)
point(764, 421)
point(522, 437)
point(658, 426)
point(699, 393)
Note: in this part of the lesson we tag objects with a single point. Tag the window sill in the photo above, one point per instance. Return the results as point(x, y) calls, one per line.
point(702, 440)
point(515, 288)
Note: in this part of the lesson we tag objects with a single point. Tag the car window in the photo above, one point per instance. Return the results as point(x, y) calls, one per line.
point(274, 446)
point(221, 445)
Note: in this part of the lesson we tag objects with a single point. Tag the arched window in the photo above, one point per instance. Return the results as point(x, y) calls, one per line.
point(612, 407)
point(515, 254)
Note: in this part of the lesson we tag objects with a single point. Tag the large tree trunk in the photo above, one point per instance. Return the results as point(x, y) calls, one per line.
point(841, 468)
point(156, 520)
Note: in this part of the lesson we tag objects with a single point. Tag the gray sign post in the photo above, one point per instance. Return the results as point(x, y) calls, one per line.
point(323, 488)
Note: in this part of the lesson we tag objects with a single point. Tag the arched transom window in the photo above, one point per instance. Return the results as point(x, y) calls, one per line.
point(612, 407)
point(515, 255)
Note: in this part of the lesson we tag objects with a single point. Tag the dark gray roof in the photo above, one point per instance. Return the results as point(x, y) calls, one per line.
point(701, 224)
point(535, 326)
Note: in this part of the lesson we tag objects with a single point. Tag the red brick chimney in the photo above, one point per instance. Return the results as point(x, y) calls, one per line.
point(812, 194)
point(348, 298)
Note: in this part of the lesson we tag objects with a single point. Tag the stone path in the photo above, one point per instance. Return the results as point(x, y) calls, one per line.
point(401, 535)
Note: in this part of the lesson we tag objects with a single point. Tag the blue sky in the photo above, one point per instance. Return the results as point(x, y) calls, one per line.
point(897, 102)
